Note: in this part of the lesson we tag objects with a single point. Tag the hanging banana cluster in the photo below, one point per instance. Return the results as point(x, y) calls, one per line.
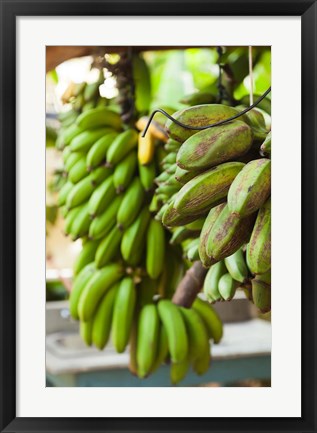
point(127, 271)
point(214, 195)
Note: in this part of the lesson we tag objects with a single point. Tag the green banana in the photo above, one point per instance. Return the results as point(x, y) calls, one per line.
point(99, 174)
point(80, 192)
point(123, 312)
point(142, 81)
point(131, 204)
point(147, 339)
point(108, 248)
point(79, 285)
point(69, 133)
point(121, 146)
point(211, 282)
point(85, 330)
point(171, 217)
point(102, 321)
point(99, 117)
point(170, 158)
point(251, 188)
point(184, 176)
point(98, 151)
point(236, 266)
point(178, 371)
point(196, 225)
point(198, 339)
point(266, 145)
point(133, 238)
point(78, 171)
point(72, 159)
point(205, 190)
point(84, 141)
point(259, 247)
point(201, 365)
point(192, 251)
point(64, 192)
point(257, 123)
point(95, 289)
point(162, 349)
point(86, 255)
point(124, 171)
point(102, 197)
point(155, 249)
point(171, 145)
point(103, 223)
point(214, 146)
point(70, 218)
point(261, 291)
point(208, 224)
point(227, 287)
point(162, 178)
point(174, 325)
point(197, 116)
point(210, 318)
point(81, 223)
point(182, 233)
point(228, 234)
point(147, 175)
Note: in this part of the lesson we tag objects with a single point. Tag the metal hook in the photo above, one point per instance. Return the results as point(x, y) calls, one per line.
point(200, 128)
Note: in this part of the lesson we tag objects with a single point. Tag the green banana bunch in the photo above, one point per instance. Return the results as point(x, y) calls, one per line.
point(123, 312)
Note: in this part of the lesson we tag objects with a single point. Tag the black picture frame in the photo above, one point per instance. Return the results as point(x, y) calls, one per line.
point(9, 10)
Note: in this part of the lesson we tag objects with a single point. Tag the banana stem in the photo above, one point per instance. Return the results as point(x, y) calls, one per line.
point(190, 285)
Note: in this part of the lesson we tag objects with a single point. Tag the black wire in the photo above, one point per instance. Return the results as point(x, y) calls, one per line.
point(201, 128)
